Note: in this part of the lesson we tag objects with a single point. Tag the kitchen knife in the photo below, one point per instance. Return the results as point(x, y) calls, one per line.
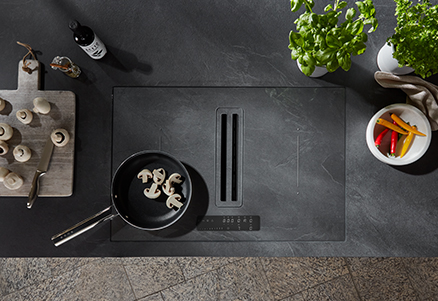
point(41, 170)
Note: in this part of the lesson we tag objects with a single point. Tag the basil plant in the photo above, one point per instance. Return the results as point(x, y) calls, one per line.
point(325, 40)
point(415, 39)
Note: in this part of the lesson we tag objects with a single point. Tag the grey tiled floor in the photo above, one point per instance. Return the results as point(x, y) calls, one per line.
point(210, 278)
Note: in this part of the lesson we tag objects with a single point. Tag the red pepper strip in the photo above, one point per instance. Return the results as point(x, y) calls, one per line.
point(394, 138)
point(380, 137)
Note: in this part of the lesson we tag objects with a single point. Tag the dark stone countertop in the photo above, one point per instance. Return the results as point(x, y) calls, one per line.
point(390, 211)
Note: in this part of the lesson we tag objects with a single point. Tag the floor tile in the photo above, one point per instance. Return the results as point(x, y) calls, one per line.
point(382, 280)
point(288, 276)
point(149, 275)
point(339, 289)
point(22, 272)
point(357, 263)
point(243, 280)
point(296, 297)
point(94, 281)
point(154, 297)
point(60, 265)
point(195, 266)
point(12, 297)
point(4, 289)
point(423, 274)
point(201, 288)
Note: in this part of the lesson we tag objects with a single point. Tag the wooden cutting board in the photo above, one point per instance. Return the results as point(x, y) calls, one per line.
point(58, 181)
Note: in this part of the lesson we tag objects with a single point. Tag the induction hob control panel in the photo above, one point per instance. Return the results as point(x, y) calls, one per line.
point(229, 223)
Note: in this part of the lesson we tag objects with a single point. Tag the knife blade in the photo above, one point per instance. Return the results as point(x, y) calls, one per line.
point(42, 168)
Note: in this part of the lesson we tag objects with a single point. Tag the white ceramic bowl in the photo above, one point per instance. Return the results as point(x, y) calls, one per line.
point(407, 113)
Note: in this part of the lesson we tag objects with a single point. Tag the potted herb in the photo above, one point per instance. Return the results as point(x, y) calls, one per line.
point(325, 41)
point(415, 40)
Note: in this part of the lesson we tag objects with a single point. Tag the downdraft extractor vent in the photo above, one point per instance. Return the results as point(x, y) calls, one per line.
point(229, 155)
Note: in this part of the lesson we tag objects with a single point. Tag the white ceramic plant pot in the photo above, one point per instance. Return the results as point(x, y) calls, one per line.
point(387, 63)
point(319, 71)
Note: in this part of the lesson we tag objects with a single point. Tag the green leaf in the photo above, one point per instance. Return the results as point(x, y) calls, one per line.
point(295, 5)
point(357, 27)
point(295, 54)
point(360, 6)
point(332, 40)
point(344, 60)
point(374, 24)
point(295, 39)
point(342, 4)
point(309, 59)
point(323, 56)
point(363, 37)
point(328, 7)
point(332, 65)
point(359, 48)
point(349, 15)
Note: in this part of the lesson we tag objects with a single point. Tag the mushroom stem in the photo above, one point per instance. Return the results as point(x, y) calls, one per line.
point(60, 137)
point(22, 153)
point(25, 116)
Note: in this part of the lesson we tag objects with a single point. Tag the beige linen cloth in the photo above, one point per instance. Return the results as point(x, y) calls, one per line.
point(420, 93)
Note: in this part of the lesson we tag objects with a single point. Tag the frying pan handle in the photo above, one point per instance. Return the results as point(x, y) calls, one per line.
point(83, 226)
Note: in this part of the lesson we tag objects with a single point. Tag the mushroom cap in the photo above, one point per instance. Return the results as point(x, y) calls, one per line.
point(167, 188)
point(2, 104)
point(13, 181)
point(145, 175)
point(175, 178)
point(22, 153)
point(41, 105)
point(3, 172)
point(6, 131)
point(174, 201)
point(4, 148)
point(60, 137)
point(24, 115)
point(159, 175)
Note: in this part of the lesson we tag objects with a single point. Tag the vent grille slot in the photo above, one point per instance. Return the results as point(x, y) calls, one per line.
point(229, 154)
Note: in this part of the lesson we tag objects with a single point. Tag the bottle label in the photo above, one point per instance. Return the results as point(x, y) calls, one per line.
point(96, 49)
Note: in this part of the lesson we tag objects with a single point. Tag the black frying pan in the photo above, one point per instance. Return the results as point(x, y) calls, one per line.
point(129, 200)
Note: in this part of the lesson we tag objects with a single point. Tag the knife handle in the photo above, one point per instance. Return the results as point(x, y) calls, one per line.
point(34, 188)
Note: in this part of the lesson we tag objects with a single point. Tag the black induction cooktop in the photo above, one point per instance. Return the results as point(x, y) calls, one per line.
point(266, 164)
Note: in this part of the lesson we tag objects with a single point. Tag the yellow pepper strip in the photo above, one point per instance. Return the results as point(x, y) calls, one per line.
point(391, 126)
point(405, 125)
point(407, 142)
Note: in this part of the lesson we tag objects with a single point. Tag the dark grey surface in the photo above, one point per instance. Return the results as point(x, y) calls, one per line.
point(289, 157)
point(390, 211)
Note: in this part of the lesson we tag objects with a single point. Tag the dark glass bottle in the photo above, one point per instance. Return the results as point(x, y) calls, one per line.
point(85, 37)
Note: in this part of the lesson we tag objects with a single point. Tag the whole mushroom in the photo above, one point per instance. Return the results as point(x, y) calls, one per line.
point(3, 173)
point(6, 131)
point(4, 148)
point(60, 137)
point(13, 181)
point(24, 115)
point(22, 153)
point(2, 104)
point(41, 105)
